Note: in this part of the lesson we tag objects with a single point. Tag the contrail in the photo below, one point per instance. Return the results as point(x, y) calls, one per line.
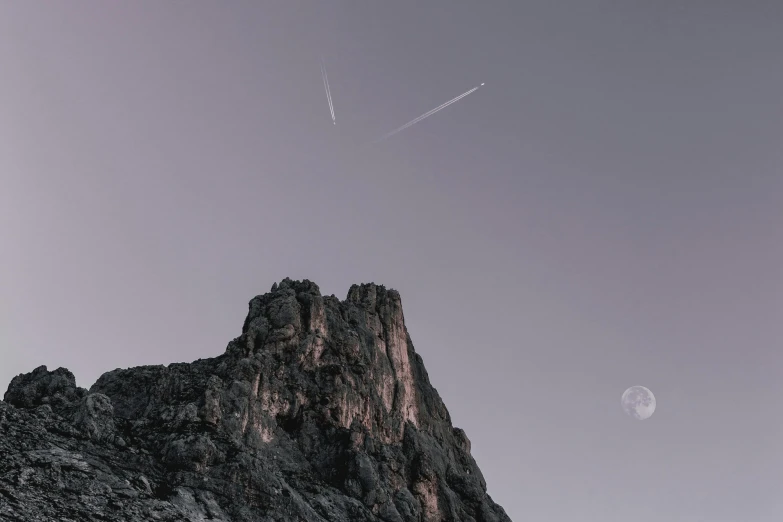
point(426, 115)
point(328, 92)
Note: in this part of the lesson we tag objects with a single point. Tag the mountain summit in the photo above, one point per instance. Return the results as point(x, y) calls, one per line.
point(320, 411)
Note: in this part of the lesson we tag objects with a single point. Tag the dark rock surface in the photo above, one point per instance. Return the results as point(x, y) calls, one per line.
point(320, 411)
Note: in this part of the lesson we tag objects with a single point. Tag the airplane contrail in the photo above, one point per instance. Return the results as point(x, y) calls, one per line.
point(328, 92)
point(426, 114)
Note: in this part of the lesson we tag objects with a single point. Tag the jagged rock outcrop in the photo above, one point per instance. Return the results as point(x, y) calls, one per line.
point(320, 411)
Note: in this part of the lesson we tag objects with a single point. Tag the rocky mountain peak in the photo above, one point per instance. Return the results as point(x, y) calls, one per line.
point(321, 410)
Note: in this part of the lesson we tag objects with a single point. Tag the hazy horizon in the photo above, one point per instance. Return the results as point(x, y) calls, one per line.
point(604, 212)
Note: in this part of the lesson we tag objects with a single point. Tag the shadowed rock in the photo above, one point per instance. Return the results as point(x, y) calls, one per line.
point(320, 411)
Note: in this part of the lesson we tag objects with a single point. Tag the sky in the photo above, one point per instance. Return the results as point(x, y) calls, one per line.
point(604, 212)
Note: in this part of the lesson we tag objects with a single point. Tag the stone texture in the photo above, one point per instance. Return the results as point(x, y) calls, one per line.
point(320, 411)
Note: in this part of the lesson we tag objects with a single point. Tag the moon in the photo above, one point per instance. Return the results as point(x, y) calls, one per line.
point(638, 402)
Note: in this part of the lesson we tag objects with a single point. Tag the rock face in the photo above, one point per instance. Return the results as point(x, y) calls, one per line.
point(320, 411)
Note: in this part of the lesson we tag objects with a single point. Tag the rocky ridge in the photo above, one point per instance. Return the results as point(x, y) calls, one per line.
point(320, 411)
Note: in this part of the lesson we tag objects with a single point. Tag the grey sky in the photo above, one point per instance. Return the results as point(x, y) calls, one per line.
point(604, 212)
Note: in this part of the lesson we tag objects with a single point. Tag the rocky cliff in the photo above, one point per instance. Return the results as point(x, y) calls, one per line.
point(320, 411)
